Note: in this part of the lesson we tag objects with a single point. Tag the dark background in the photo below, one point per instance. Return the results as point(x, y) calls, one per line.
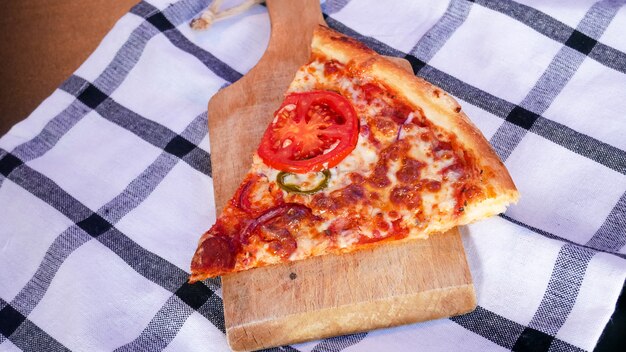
point(42, 42)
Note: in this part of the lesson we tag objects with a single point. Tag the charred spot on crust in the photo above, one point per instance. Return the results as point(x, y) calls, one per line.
point(293, 276)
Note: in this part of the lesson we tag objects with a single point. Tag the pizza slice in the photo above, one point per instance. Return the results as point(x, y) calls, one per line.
point(360, 153)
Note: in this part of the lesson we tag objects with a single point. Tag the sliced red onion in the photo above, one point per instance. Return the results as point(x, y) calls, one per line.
point(243, 201)
point(408, 120)
point(269, 215)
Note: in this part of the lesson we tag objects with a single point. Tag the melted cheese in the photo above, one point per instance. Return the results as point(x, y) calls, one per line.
point(436, 206)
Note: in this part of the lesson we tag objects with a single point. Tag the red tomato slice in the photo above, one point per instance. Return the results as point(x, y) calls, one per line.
point(311, 131)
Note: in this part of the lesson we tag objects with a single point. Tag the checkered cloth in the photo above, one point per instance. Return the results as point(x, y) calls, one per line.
point(107, 186)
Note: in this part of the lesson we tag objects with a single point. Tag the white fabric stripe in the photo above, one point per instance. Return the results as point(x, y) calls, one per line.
point(338, 343)
point(611, 237)
point(552, 28)
point(608, 237)
point(433, 40)
point(560, 295)
point(438, 35)
point(108, 81)
point(74, 237)
point(554, 79)
point(162, 328)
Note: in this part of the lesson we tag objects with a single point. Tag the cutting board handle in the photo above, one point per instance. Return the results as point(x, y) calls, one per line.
point(292, 23)
point(239, 113)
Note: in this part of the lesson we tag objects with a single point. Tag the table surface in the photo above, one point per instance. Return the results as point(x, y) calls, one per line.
point(39, 57)
point(42, 43)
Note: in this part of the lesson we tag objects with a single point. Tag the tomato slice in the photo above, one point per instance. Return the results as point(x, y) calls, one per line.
point(311, 131)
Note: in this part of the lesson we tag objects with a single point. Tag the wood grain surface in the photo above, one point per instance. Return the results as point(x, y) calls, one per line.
point(331, 295)
point(239, 114)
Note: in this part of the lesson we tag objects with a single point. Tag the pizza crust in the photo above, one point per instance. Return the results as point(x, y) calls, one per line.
point(438, 106)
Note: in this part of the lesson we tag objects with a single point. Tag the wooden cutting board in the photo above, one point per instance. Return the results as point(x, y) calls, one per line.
point(331, 295)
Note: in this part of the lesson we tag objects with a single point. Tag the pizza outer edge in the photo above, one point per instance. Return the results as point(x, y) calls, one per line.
point(439, 107)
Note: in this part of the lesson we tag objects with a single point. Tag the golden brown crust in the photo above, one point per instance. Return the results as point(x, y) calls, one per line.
point(436, 105)
point(439, 107)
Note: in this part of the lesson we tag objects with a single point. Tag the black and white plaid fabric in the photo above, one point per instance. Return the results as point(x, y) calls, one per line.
point(106, 187)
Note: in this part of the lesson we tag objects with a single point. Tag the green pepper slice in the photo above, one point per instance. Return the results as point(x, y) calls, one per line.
point(289, 187)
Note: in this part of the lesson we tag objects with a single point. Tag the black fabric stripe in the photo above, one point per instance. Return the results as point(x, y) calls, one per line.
point(581, 144)
point(496, 328)
point(162, 329)
point(94, 225)
point(146, 263)
point(171, 317)
point(213, 309)
point(23, 333)
point(561, 346)
point(179, 146)
point(10, 320)
point(214, 64)
point(161, 272)
point(199, 160)
point(143, 9)
point(555, 237)
point(160, 22)
point(610, 57)
point(148, 130)
point(555, 77)
point(8, 163)
point(581, 42)
point(375, 44)
point(416, 63)
point(560, 32)
point(47, 190)
point(531, 17)
point(438, 35)
point(522, 117)
point(156, 134)
point(280, 349)
point(589, 147)
point(30, 337)
point(562, 290)
point(484, 100)
point(74, 85)
point(338, 343)
point(31, 294)
point(491, 326)
point(611, 236)
point(194, 295)
point(92, 96)
point(333, 6)
point(532, 340)
point(218, 67)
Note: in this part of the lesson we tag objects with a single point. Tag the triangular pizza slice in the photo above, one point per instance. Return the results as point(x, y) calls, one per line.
point(360, 153)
